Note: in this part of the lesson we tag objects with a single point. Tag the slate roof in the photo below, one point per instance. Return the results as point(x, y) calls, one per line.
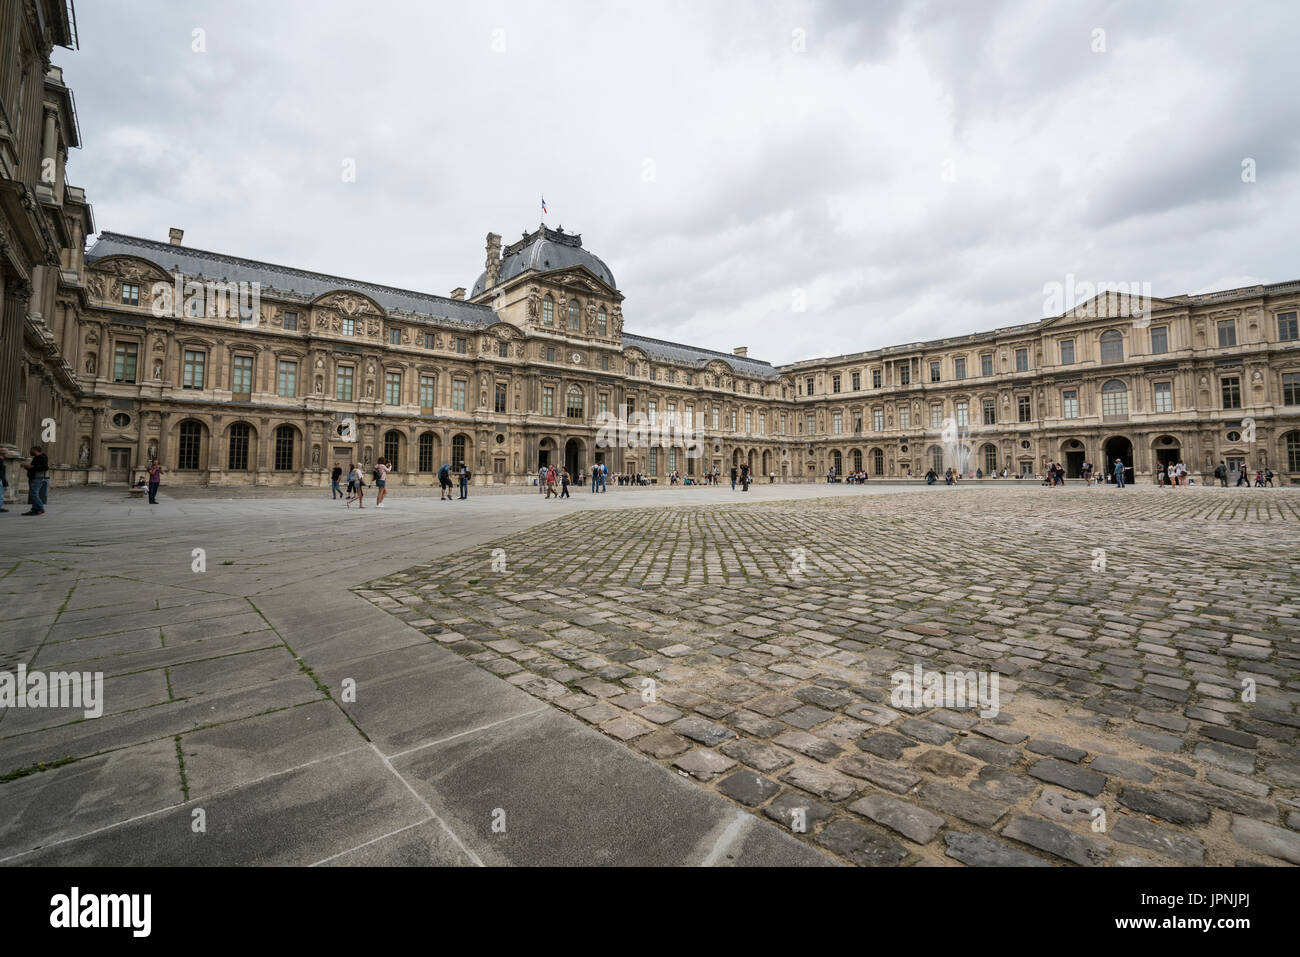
point(218, 266)
point(690, 355)
point(546, 250)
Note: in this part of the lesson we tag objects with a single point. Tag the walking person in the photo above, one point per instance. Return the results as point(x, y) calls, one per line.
point(1221, 473)
point(733, 478)
point(335, 491)
point(564, 483)
point(382, 468)
point(155, 479)
point(542, 472)
point(38, 481)
point(356, 488)
point(1119, 473)
point(464, 481)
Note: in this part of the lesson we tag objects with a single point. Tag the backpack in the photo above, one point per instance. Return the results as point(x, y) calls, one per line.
point(374, 474)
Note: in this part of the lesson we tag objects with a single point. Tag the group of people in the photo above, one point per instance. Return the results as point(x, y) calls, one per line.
point(38, 481)
point(1175, 473)
point(1263, 476)
point(356, 491)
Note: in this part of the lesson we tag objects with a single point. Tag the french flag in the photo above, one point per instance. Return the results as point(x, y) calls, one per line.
point(543, 205)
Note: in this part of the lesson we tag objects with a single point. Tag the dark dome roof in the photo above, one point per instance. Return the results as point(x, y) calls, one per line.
point(543, 251)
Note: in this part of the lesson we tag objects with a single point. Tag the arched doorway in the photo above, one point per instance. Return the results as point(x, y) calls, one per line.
point(1118, 447)
point(1074, 454)
point(545, 453)
point(767, 462)
point(572, 457)
point(1168, 450)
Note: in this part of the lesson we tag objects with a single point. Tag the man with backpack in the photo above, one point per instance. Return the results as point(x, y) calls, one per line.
point(1221, 473)
point(464, 481)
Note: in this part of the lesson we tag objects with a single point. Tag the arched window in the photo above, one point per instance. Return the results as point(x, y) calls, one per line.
point(548, 311)
point(990, 458)
point(1112, 347)
point(1114, 398)
point(392, 448)
point(573, 403)
point(601, 323)
point(856, 455)
point(458, 453)
point(284, 436)
point(187, 451)
point(426, 452)
point(237, 459)
point(575, 315)
point(837, 461)
point(878, 461)
point(1292, 441)
point(936, 458)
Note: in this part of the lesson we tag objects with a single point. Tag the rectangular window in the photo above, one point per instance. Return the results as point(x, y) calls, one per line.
point(548, 400)
point(503, 350)
point(429, 340)
point(904, 418)
point(1022, 360)
point(192, 376)
point(284, 449)
point(936, 416)
point(986, 364)
point(130, 294)
point(343, 384)
point(837, 423)
point(1231, 388)
point(573, 404)
point(1227, 333)
point(654, 461)
point(812, 424)
point(604, 363)
point(602, 402)
point(1287, 328)
point(652, 410)
point(1164, 396)
point(349, 327)
point(715, 418)
point(550, 353)
point(959, 368)
point(905, 375)
point(1070, 404)
point(733, 420)
point(963, 414)
point(835, 384)
point(291, 321)
point(875, 378)
point(1159, 340)
point(1022, 407)
point(124, 357)
point(688, 419)
point(749, 422)
point(809, 385)
point(1291, 388)
point(857, 381)
point(461, 345)
point(458, 389)
point(241, 376)
point(857, 423)
point(392, 388)
point(394, 337)
point(878, 420)
point(428, 386)
point(934, 372)
point(990, 412)
point(1067, 352)
point(500, 400)
point(287, 382)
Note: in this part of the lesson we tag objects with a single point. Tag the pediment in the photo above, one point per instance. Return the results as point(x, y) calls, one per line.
point(349, 303)
point(579, 279)
point(1126, 301)
point(132, 269)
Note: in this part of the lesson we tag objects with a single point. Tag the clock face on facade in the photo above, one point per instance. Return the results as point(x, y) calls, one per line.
point(577, 357)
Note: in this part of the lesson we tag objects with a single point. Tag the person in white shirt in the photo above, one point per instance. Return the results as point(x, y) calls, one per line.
point(359, 487)
point(382, 468)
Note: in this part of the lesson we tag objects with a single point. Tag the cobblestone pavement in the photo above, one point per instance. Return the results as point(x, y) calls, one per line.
point(1127, 633)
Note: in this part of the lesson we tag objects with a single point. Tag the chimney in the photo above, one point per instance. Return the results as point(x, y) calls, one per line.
point(175, 235)
point(458, 292)
point(742, 351)
point(493, 265)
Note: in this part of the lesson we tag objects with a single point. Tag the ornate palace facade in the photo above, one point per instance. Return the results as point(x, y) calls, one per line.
point(323, 370)
point(237, 372)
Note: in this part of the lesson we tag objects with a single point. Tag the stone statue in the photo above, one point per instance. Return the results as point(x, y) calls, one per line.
point(153, 451)
point(370, 389)
point(83, 454)
point(534, 302)
point(90, 364)
point(318, 385)
point(315, 456)
point(157, 369)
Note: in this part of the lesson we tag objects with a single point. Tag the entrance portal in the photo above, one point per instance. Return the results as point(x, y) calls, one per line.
point(119, 466)
point(1118, 448)
point(572, 450)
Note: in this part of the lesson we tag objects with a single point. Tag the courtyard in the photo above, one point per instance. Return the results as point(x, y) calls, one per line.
point(658, 676)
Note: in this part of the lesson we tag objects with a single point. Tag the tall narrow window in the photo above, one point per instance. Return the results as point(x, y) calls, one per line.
point(1227, 333)
point(878, 461)
point(573, 403)
point(1288, 330)
point(1022, 408)
point(343, 383)
point(1070, 404)
point(1231, 389)
point(392, 388)
point(124, 357)
point(458, 453)
point(187, 449)
point(602, 323)
point(990, 412)
point(1114, 398)
point(1159, 340)
point(1022, 360)
point(963, 414)
point(500, 400)
point(1164, 396)
point(575, 315)
point(393, 448)
point(548, 400)
point(548, 311)
point(427, 386)
point(1067, 352)
point(426, 452)
point(458, 387)
point(959, 368)
point(986, 364)
point(241, 376)
point(904, 418)
point(192, 374)
point(934, 372)
point(237, 459)
point(284, 436)
point(287, 381)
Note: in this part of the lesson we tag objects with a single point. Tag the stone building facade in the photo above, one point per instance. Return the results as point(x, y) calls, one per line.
point(44, 223)
point(321, 370)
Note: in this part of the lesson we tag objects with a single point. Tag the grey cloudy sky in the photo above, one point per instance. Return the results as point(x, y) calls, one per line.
point(910, 170)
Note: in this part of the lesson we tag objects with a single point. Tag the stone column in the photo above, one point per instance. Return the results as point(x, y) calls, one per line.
point(17, 294)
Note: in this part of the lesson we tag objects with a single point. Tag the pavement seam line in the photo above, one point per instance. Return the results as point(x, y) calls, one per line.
point(173, 807)
point(474, 858)
point(430, 744)
point(376, 840)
